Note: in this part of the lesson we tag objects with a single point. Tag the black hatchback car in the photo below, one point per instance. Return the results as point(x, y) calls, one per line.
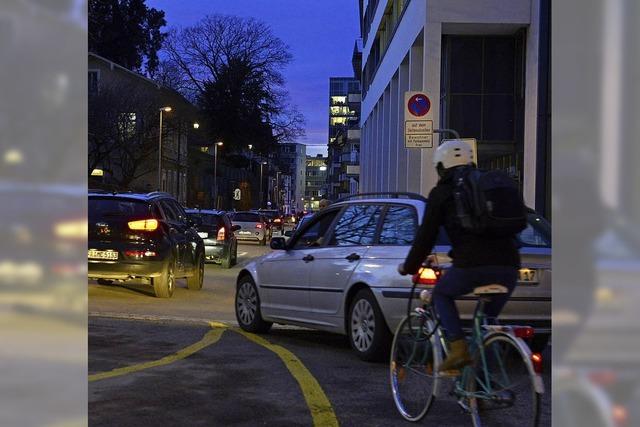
point(145, 237)
point(220, 244)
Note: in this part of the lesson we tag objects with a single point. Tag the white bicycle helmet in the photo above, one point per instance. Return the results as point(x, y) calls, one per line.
point(453, 153)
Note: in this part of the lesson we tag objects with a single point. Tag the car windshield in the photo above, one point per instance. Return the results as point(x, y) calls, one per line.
point(100, 207)
point(207, 219)
point(246, 217)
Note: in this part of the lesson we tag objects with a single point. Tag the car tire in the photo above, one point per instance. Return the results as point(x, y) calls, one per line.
point(194, 283)
point(226, 261)
point(368, 333)
point(235, 255)
point(247, 307)
point(164, 285)
point(539, 343)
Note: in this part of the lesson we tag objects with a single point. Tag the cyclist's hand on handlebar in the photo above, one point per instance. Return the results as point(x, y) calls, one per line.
point(401, 269)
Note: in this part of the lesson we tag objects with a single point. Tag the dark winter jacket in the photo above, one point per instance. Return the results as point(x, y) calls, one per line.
point(467, 250)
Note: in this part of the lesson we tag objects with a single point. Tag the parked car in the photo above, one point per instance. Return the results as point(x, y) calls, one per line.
point(143, 237)
point(338, 273)
point(253, 226)
point(217, 232)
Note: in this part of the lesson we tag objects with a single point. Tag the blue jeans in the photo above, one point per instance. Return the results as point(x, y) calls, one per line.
point(460, 281)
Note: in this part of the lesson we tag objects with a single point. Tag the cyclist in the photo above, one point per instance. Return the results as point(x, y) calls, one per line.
point(477, 260)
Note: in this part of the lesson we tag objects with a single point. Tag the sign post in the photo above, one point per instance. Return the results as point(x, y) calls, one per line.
point(418, 120)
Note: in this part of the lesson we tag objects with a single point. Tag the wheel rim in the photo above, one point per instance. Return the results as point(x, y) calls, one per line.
point(363, 325)
point(247, 303)
point(170, 280)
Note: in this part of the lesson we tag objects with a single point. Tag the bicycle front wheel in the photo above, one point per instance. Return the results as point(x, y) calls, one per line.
point(502, 387)
point(415, 358)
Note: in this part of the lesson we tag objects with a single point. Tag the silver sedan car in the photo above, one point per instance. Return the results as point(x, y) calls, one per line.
point(338, 273)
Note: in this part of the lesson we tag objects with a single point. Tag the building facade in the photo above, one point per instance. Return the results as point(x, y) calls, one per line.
point(482, 63)
point(293, 166)
point(123, 131)
point(344, 112)
point(316, 182)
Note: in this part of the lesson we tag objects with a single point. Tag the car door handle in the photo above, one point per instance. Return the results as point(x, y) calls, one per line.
point(308, 258)
point(353, 257)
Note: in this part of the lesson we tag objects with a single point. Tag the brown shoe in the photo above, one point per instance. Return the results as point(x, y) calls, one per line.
point(458, 357)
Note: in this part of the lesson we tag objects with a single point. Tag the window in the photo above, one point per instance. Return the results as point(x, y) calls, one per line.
point(313, 233)
point(127, 124)
point(100, 208)
point(356, 226)
point(537, 233)
point(246, 217)
point(94, 78)
point(169, 211)
point(204, 149)
point(399, 226)
point(182, 215)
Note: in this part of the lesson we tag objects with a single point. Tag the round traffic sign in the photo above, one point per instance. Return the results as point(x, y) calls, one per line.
point(419, 105)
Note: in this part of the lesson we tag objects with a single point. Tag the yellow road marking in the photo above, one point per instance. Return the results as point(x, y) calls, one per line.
point(319, 406)
point(209, 338)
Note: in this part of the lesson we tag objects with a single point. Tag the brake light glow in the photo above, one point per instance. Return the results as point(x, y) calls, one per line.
point(536, 360)
point(220, 234)
point(523, 331)
point(277, 220)
point(140, 254)
point(259, 226)
point(144, 224)
point(620, 415)
point(426, 276)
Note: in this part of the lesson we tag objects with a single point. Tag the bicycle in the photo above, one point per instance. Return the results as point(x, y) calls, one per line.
point(504, 374)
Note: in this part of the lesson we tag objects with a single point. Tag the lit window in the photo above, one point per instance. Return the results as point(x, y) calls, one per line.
point(338, 99)
point(204, 149)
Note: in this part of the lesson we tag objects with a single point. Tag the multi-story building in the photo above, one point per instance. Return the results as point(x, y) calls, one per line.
point(293, 166)
point(343, 113)
point(123, 131)
point(485, 66)
point(316, 181)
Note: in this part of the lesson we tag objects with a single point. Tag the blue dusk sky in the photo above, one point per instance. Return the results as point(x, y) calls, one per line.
point(319, 33)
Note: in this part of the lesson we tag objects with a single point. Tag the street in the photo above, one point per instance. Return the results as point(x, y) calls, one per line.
point(184, 361)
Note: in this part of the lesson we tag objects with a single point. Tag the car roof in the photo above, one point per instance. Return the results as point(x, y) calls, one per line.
point(204, 211)
point(145, 197)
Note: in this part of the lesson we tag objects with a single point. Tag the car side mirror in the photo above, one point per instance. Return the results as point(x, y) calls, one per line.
point(235, 228)
point(278, 243)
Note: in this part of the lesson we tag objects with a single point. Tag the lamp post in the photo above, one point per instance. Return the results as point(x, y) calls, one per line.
point(215, 172)
point(261, 196)
point(162, 110)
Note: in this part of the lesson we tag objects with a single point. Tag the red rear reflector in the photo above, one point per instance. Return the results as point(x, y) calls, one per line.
point(425, 276)
point(220, 234)
point(139, 254)
point(523, 331)
point(144, 224)
point(536, 360)
point(258, 225)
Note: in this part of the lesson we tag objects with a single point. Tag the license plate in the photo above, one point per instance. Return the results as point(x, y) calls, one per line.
point(244, 232)
point(94, 254)
point(529, 276)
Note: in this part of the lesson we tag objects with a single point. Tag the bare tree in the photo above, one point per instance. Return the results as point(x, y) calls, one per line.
point(122, 131)
point(231, 67)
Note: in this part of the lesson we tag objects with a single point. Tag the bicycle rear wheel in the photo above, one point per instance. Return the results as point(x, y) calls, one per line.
point(504, 392)
point(415, 358)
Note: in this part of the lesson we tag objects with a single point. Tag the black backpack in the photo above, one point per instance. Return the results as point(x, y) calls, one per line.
point(488, 203)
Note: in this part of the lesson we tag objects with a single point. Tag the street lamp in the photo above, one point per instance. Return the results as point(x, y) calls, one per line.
point(196, 125)
point(162, 110)
point(215, 172)
point(261, 196)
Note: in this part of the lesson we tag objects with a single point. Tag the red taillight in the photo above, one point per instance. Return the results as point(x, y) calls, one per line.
point(426, 276)
point(220, 234)
point(144, 225)
point(139, 254)
point(258, 226)
point(278, 220)
point(523, 331)
point(536, 360)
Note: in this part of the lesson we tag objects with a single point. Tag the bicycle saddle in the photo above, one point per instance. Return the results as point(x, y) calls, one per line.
point(492, 289)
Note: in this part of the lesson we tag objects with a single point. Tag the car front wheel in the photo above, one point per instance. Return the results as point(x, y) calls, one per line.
point(164, 285)
point(194, 283)
point(368, 332)
point(248, 307)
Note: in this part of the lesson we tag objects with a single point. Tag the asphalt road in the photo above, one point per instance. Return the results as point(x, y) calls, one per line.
point(183, 361)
